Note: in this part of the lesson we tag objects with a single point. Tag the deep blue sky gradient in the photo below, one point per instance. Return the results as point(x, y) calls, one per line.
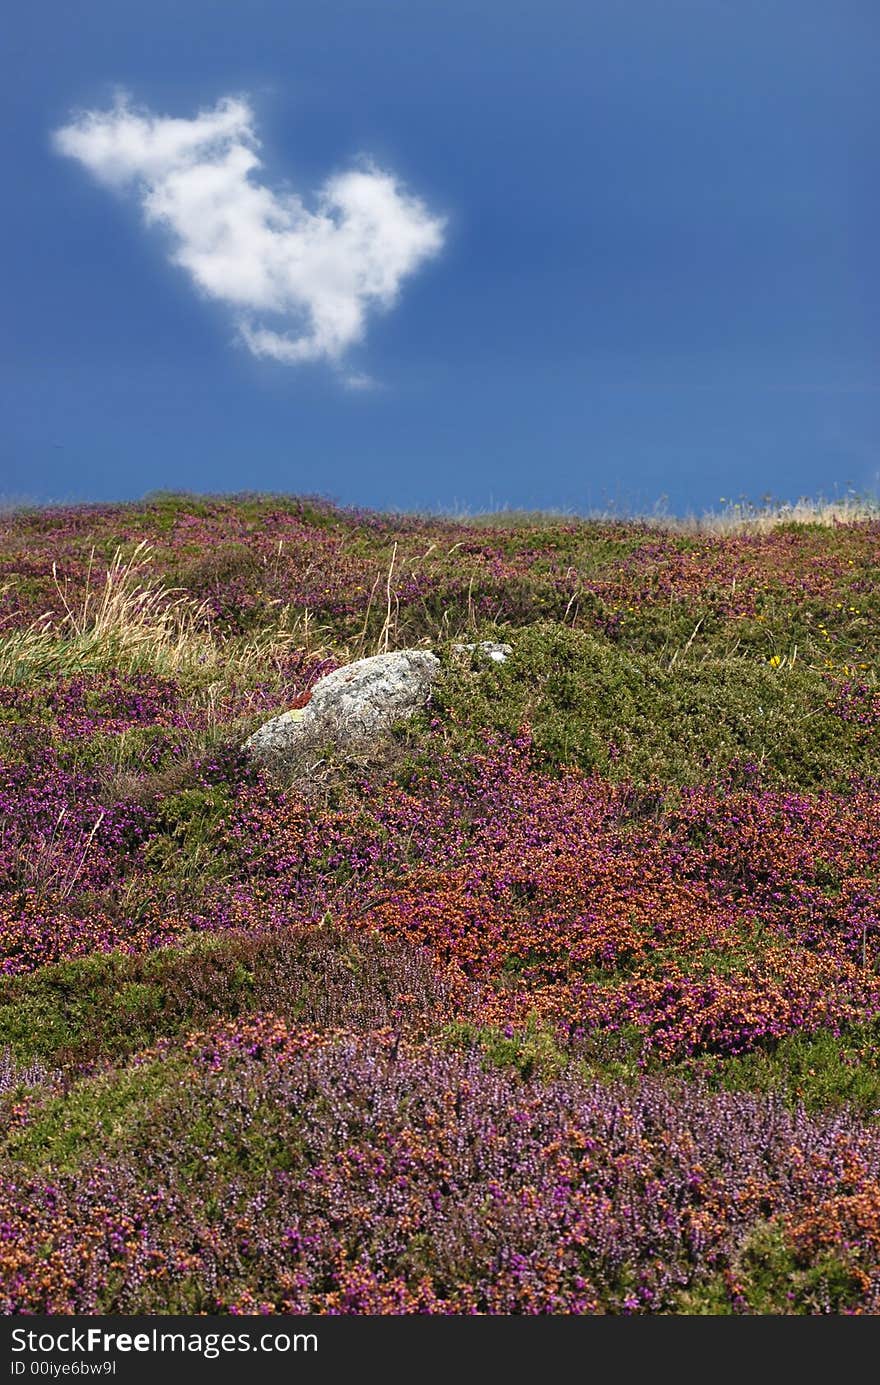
point(659, 280)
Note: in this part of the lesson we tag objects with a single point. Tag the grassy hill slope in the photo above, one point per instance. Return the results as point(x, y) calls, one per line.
point(565, 998)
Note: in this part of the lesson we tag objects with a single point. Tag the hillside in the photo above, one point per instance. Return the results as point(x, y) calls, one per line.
point(563, 998)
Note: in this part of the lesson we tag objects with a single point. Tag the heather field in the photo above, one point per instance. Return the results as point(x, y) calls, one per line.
point(564, 998)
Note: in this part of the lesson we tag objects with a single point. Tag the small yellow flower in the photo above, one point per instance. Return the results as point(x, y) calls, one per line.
point(775, 660)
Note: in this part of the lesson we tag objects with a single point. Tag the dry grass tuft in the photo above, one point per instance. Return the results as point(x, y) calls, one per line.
point(128, 622)
point(123, 621)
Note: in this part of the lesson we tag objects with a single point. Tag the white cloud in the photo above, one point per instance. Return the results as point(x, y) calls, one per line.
point(300, 282)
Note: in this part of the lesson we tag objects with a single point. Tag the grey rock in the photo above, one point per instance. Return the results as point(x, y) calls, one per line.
point(283, 742)
point(486, 649)
point(350, 707)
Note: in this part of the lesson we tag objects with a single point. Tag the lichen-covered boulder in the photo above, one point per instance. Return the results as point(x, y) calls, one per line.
point(350, 707)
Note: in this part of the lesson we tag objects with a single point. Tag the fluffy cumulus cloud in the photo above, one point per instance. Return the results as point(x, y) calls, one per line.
point(300, 281)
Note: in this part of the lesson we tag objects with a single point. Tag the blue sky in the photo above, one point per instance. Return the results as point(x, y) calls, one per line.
point(652, 273)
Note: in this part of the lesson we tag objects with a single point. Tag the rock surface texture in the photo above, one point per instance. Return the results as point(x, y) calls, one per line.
point(352, 706)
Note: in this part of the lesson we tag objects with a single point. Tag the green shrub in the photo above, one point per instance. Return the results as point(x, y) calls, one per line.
point(593, 704)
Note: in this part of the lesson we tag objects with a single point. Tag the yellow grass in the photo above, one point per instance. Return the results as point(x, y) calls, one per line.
point(125, 620)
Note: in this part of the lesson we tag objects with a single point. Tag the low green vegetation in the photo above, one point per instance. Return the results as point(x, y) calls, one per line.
point(643, 717)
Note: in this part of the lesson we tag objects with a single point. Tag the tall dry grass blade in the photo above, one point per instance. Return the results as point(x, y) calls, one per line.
point(361, 641)
point(384, 636)
point(684, 649)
